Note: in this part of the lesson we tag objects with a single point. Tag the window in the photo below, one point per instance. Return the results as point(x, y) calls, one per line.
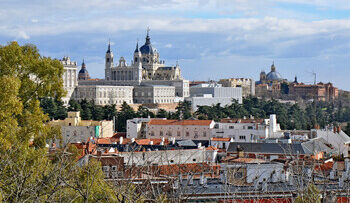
point(114, 168)
point(169, 134)
point(178, 133)
point(152, 133)
point(231, 127)
point(187, 134)
point(161, 133)
point(195, 134)
point(250, 127)
point(242, 137)
point(193, 159)
point(238, 175)
point(107, 60)
point(204, 134)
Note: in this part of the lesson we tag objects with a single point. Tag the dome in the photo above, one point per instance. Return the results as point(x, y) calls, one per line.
point(147, 48)
point(83, 73)
point(274, 76)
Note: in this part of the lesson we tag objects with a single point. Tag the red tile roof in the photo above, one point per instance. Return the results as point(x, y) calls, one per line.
point(180, 122)
point(223, 139)
point(147, 141)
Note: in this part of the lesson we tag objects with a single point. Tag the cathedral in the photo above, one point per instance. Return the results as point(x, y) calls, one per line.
point(146, 80)
point(145, 65)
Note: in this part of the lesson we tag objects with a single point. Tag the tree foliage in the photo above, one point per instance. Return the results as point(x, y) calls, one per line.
point(27, 173)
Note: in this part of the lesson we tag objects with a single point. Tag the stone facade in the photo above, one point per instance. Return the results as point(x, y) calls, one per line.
point(154, 94)
point(320, 91)
point(104, 95)
point(146, 73)
point(75, 130)
point(247, 84)
point(69, 78)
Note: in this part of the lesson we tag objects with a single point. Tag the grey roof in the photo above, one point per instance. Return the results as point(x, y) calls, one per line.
point(266, 148)
point(274, 76)
point(147, 48)
point(317, 145)
point(186, 143)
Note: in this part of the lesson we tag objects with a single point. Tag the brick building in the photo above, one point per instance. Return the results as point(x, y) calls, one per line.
point(320, 91)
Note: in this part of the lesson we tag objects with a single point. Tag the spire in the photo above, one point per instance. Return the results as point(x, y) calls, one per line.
point(83, 64)
point(148, 39)
point(137, 47)
point(109, 46)
point(295, 79)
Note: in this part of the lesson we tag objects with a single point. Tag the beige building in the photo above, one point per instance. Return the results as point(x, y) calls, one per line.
point(247, 84)
point(75, 130)
point(180, 129)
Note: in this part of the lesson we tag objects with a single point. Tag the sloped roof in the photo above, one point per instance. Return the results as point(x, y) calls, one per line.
point(239, 120)
point(223, 139)
point(186, 143)
point(180, 122)
point(317, 145)
point(267, 148)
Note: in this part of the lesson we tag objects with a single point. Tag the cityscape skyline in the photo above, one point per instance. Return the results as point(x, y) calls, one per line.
point(209, 39)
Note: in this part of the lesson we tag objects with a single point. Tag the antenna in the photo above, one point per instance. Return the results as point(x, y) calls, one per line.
point(314, 74)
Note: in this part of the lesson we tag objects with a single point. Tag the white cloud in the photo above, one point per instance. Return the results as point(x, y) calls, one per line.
point(168, 45)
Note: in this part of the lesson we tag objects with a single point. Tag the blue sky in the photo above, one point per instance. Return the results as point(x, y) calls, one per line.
point(209, 39)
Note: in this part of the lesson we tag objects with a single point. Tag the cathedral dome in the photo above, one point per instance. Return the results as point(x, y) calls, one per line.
point(147, 48)
point(273, 75)
point(83, 73)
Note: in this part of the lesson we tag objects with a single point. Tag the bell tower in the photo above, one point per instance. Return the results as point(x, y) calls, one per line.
point(108, 62)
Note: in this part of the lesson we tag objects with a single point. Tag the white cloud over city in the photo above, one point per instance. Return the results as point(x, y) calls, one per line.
point(237, 37)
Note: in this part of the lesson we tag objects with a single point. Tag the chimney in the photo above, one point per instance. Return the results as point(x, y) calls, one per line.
point(199, 145)
point(231, 140)
point(174, 139)
point(99, 153)
point(162, 143)
point(151, 142)
point(133, 140)
point(163, 139)
point(121, 140)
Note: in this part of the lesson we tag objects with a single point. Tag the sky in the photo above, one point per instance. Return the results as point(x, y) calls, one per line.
point(209, 39)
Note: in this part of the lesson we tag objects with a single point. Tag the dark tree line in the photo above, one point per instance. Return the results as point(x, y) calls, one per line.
point(290, 116)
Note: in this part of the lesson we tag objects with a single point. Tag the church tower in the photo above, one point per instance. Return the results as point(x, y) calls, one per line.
point(108, 62)
point(137, 54)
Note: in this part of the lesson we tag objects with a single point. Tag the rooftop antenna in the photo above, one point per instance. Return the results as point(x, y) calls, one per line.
point(314, 74)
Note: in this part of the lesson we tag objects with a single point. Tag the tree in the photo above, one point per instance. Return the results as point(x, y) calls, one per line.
point(310, 195)
point(126, 112)
point(27, 173)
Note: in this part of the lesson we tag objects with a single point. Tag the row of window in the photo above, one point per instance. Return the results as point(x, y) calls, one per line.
point(178, 133)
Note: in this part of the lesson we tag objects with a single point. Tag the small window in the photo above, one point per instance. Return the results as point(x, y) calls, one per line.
point(238, 175)
point(171, 161)
point(70, 124)
point(193, 159)
point(187, 134)
point(107, 60)
point(250, 127)
point(204, 134)
point(152, 133)
point(242, 137)
point(178, 133)
point(161, 133)
point(169, 134)
point(232, 127)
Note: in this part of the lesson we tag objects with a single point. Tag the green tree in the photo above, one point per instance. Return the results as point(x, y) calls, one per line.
point(27, 173)
point(126, 112)
point(310, 195)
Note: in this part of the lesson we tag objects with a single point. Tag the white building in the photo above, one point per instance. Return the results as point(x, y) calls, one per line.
point(137, 127)
point(146, 69)
point(247, 84)
point(104, 95)
point(69, 78)
point(248, 130)
point(150, 94)
point(337, 138)
point(180, 129)
point(208, 94)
